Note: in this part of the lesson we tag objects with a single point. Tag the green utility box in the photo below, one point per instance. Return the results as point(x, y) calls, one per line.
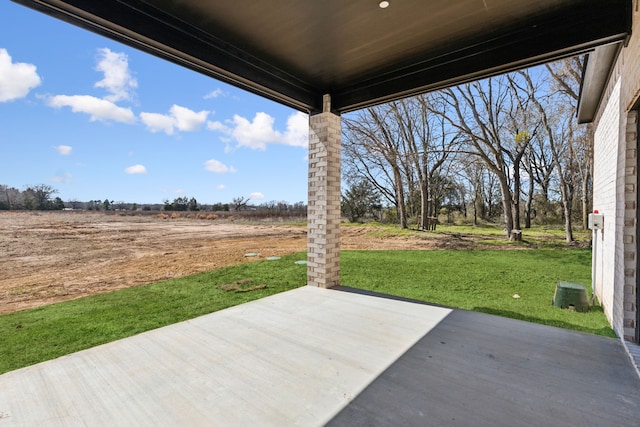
point(572, 296)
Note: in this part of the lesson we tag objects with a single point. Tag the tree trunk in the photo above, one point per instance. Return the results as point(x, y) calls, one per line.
point(567, 216)
point(475, 210)
point(424, 205)
point(506, 204)
point(400, 200)
point(515, 203)
point(585, 203)
point(529, 203)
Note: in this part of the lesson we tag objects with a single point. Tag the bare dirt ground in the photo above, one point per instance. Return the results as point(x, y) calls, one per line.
point(47, 257)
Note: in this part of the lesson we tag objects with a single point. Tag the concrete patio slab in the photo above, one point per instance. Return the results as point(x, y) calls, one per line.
point(295, 358)
point(480, 370)
point(315, 356)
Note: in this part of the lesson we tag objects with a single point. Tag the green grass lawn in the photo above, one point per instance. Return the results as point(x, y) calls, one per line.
point(484, 236)
point(476, 280)
point(44, 333)
point(484, 281)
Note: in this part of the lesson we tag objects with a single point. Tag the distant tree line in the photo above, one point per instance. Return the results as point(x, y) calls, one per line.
point(238, 204)
point(41, 197)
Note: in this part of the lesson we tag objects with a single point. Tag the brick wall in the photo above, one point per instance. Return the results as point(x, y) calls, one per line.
point(615, 188)
point(605, 184)
point(628, 297)
point(629, 62)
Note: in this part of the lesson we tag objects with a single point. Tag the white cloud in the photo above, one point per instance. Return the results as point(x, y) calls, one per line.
point(16, 79)
point(66, 178)
point(216, 166)
point(180, 118)
point(297, 133)
point(256, 196)
point(260, 132)
point(117, 80)
point(136, 169)
point(215, 94)
point(63, 150)
point(188, 120)
point(255, 134)
point(218, 126)
point(220, 187)
point(158, 122)
point(179, 191)
point(98, 109)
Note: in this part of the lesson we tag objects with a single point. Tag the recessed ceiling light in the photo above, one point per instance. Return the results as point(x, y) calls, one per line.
point(383, 4)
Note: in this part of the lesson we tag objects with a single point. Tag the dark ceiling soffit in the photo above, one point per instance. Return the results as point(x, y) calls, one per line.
point(158, 33)
point(597, 70)
point(563, 37)
point(215, 57)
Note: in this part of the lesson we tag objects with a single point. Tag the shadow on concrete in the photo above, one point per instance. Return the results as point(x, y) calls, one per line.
point(483, 370)
point(549, 322)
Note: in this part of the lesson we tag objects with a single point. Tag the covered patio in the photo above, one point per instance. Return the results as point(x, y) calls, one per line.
point(332, 57)
point(338, 357)
point(334, 356)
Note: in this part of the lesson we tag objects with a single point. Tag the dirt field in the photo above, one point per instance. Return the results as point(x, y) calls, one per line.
point(47, 257)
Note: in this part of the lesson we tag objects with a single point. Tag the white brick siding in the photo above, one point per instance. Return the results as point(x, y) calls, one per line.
point(615, 189)
point(605, 183)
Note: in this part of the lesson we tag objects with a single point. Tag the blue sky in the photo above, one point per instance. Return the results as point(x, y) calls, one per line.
point(96, 119)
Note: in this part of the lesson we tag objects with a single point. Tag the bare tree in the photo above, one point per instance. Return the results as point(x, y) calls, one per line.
point(374, 148)
point(560, 127)
point(428, 145)
point(364, 160)
point(400, 147)
point(240, 203)
point(471, 174)
point(489, 115)
point(567, 77)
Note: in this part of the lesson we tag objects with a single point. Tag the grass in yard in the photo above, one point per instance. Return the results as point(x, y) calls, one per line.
point(476, 280)
point(482, 281)
point(44, 333)
point(484, 236)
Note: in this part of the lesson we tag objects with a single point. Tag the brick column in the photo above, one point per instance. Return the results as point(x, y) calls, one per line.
point(323, 216)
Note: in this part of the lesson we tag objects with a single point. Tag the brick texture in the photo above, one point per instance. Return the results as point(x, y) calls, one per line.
point(323, 217)
point(608, 251)
point(615, 189)
point(628, 300)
